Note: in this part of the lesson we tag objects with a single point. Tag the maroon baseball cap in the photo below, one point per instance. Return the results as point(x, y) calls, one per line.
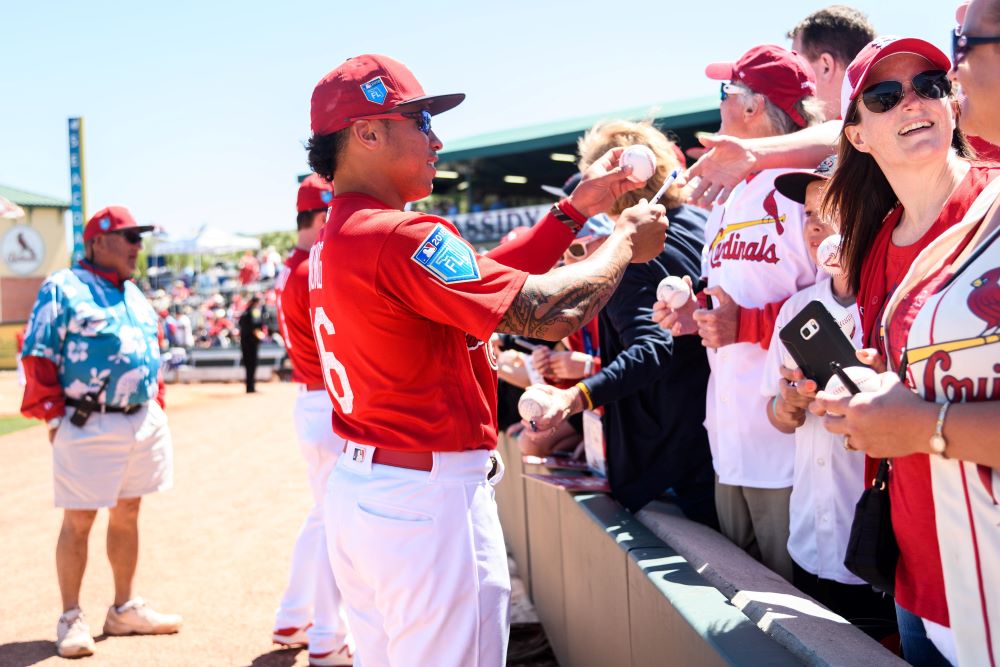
point(780, 75)
point(876, 50)
point(315, 193)
point(367, 86)
point(112, 219)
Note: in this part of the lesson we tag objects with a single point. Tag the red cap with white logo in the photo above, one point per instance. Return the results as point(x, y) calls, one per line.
point(112, 219)
point(883, 47)
point(782, 76)
point(370, 85)
point(315, 193)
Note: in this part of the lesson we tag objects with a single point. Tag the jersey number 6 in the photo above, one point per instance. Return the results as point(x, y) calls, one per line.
point(322, 326)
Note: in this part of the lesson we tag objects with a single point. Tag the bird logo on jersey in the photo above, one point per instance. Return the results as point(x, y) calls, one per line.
point(984, 300)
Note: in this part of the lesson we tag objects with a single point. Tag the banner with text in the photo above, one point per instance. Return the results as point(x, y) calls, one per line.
point(489, 226)
point(77, 204)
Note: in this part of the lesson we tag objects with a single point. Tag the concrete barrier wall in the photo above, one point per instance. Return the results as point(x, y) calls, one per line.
point(610, 590)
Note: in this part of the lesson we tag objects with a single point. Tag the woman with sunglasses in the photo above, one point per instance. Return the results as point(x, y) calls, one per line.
point(905, 194)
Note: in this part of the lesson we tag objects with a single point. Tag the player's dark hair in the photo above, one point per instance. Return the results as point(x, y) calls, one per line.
point(324, 150)
point(839, 30)
point(859, 196)
point(305, 218)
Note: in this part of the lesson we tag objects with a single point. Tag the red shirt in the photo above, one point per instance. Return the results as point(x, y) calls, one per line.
point(292, 290)
point(919, 576)
point(402, 348)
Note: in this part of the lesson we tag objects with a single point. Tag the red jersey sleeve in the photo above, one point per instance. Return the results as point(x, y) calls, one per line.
point(756, 325)
point(426, 267)
point(537, 250)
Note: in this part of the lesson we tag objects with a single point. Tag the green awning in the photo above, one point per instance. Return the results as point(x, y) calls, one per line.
point(22, 198)
point(683, 113)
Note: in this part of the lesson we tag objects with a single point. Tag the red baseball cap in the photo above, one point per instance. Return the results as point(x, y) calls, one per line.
point(315, 193)
point(876, 50)
point(370, 85)
point(112, 219)
point(780, 75)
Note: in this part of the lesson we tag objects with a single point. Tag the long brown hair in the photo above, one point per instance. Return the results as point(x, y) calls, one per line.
point(860, 197)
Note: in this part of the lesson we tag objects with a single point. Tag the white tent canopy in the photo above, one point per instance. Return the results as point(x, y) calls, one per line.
point(208, 241)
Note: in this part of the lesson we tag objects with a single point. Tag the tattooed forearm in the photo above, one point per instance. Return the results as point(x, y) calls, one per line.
point(554, 305)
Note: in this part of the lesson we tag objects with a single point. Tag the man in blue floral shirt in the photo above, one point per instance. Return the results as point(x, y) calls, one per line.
point(91, 347)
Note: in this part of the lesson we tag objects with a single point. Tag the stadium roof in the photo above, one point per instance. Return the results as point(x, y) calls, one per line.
point(683, 113)
point(23, 198)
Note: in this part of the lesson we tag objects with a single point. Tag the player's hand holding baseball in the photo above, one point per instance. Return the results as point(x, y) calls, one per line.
point(562, 403)
point(679, 321)
point(646, 225)
point(602, 184)
point(717, 326)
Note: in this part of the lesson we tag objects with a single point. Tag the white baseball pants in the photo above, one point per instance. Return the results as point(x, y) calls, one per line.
point(420, 559)
point(312, 595)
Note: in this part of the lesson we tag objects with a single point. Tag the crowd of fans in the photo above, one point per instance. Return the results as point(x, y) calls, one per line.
point(894, 233)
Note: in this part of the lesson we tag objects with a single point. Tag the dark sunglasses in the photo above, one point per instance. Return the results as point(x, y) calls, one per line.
point(130, 236)
point(883, 96)
point(727, 88)
point(423, 118)
point(960, 45)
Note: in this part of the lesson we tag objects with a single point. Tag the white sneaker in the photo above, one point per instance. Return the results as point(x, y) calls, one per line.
point(339, 658)
point(138, 618)
point(291, 637)
point(73, 638)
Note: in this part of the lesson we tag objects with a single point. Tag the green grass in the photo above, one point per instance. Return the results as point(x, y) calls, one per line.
point(15, 423)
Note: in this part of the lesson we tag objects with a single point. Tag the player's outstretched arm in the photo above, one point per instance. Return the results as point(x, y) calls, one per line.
point(554, 305)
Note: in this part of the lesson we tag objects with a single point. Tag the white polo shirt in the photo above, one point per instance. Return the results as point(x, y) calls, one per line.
point(829, 479)
point(754, 249)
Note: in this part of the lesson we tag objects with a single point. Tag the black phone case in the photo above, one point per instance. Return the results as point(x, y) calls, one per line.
point(813, 339)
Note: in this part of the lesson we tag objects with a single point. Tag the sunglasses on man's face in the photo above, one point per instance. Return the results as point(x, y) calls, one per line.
point(727, 89)
point(422, 117)
point(883, 96)
point(961, 44)
point(130, 236)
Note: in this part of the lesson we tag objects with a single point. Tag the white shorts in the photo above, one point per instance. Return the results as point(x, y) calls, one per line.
point(112, 456)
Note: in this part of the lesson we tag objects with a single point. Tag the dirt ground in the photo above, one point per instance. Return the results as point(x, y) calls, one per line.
point(216, 548)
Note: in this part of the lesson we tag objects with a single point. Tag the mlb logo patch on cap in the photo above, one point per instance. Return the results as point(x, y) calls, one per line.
point(447, 257)
point(374, 90)
point(105, 224)
point(326, 196)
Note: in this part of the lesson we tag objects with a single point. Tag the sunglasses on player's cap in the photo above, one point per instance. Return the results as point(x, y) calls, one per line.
point(883, 96)
point(115, 220)
point(373, 86)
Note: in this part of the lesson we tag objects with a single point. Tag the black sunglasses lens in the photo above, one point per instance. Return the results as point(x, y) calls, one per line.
point(423, 118)
point(933, 85)
point(722, 91)
point(132, 237)
point(882, 96)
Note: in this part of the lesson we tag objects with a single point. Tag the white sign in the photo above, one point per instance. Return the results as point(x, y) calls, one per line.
point(23, 249)
point(484, 226)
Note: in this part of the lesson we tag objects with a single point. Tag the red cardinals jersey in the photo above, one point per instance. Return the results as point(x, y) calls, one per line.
point(292, 290)
point(400, 307)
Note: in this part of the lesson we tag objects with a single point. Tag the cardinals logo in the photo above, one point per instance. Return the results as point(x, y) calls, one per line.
point(771, 208)
point(984, 300)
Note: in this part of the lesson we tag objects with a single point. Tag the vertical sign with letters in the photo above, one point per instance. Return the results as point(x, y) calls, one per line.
point(76, 185)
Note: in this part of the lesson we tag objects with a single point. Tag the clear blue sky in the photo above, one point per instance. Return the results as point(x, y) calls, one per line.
point(196, 112)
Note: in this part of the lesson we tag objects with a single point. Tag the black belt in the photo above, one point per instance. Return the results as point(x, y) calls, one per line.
point(128, 409)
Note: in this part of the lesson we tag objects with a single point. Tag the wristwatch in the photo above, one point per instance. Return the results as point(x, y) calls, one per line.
point(54, 422)
point(938, 443)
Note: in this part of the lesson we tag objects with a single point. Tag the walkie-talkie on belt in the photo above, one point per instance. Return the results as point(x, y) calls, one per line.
point(86, 405)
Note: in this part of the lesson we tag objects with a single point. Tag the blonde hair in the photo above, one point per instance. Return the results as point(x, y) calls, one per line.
point(604, 136)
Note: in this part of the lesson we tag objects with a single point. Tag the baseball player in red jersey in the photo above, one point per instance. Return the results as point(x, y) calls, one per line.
point(401, 307)
point(311, 608)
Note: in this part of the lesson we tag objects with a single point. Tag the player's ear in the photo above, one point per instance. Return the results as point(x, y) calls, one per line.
point(369, 133)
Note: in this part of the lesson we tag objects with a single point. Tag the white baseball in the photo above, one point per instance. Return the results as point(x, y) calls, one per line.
point(863, 376)
point(533, 404)
point(673, 291)
point(828, 255)
point(843, 317)
point(642, 160)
